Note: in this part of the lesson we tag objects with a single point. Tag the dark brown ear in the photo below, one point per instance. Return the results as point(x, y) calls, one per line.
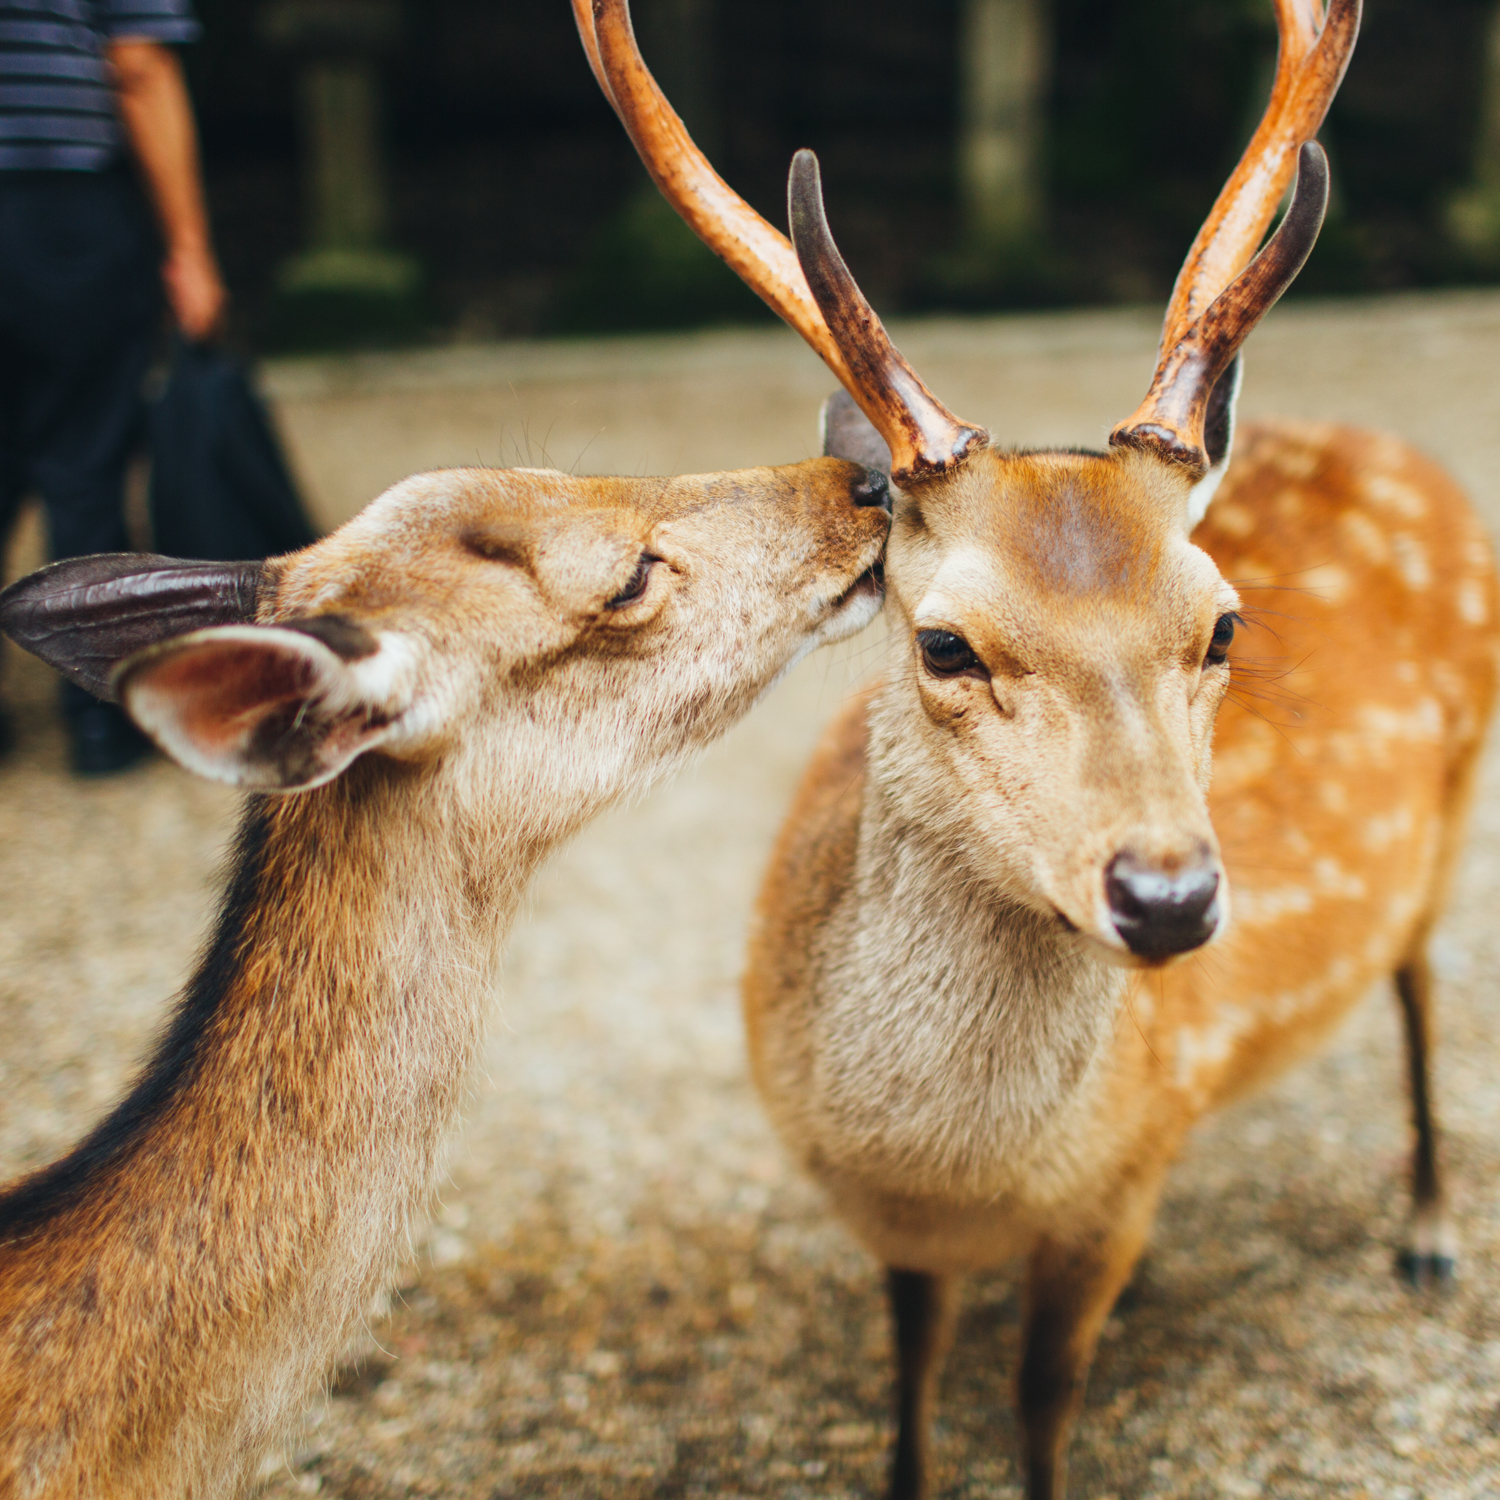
point(87, 614)
point(849, 433)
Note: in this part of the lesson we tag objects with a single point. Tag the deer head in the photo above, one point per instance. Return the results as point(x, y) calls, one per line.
point(513, 626)
point(1061, 645)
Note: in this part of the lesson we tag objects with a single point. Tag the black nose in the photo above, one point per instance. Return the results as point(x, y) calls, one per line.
point(873, 489)
point(1161, 911)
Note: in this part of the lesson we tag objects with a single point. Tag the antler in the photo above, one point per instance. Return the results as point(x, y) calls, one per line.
point(1314, 53)
point(810, 288)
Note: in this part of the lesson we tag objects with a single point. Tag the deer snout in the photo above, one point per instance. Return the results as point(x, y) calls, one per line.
point(1163, 906)
point(874, 489)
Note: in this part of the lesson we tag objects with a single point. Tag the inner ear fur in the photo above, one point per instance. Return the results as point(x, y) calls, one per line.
point(86, 614)
point(255, 706)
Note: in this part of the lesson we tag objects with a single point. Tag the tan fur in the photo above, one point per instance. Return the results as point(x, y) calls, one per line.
point(167, 1319)
point(943, 1027)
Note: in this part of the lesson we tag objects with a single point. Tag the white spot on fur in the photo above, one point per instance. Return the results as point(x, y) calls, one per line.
point(1328, 581)
point(1393, 494)
point(1255, 908)
point(1334, 880)
point(1234, 520)
point(1382, 831)
point(1422, 722)
point(1296, 460)
point(1472, 606)
point(1365, 537)
point(1211, 1046)
point(1411, 562)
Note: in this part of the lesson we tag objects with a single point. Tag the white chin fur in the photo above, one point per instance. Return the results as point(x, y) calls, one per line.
point(850, 618)
point(1114, 953)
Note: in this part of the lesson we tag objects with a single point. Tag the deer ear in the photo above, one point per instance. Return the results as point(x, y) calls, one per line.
point(84, 615)
point(263, 706)
point(1218, 438)
point(847, 433)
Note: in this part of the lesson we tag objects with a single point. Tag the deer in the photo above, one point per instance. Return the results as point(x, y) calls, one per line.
point(419, 706)
point(992, 978)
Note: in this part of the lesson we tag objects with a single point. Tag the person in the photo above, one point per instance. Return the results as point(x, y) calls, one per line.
point(93, 107)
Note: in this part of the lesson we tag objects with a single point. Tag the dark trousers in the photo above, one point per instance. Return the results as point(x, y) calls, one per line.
point(79, 301)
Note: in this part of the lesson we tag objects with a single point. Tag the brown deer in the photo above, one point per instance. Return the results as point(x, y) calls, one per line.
point(453, 682)
point(964, 1012)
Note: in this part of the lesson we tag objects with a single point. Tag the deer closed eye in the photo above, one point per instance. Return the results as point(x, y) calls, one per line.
point(946, 654)
point(636, 588)
point(1218, 646)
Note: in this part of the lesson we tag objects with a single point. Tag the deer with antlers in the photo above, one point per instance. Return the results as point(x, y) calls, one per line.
point(451, 684)
point(968, 1012)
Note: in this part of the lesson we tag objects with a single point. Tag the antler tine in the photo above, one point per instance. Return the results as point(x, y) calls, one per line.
point(583, 19)
point(758, 253)
point(831, 314)
point(924, 437)
point(1171, 419)
point(1314, 52)
point(1309, 69)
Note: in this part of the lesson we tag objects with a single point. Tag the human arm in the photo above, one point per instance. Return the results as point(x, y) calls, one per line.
point(158, 120)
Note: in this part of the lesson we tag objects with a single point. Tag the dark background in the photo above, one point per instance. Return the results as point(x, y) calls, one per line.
point(513, 184)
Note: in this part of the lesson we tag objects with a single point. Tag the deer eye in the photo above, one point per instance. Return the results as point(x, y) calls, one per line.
point(1218, 646)
point(945, 654)
point(637, 585)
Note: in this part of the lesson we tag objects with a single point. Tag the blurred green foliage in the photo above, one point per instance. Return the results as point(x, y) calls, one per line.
point(643, 269)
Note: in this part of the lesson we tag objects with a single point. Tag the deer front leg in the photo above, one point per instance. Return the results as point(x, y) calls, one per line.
point(1070, 1291)
point(922, 1308)
point(1430, 1253)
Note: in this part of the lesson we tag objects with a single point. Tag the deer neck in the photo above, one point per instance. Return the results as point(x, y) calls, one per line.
point(967, 1035)
point(242, 1207)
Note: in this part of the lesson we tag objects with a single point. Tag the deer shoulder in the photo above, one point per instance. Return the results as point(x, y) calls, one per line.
point(1344, 754)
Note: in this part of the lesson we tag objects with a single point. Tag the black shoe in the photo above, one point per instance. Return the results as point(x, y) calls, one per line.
point(7, 734)
point(104, 740)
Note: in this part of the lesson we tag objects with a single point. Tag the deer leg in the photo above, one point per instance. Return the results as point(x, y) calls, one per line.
point(1431, 1251)
point(1070, 1291)
point(922, 1308)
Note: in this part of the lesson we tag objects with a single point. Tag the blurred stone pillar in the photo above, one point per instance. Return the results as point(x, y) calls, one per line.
point(1474, 213)
point(644, 268)
point(1003, 75)
point(348, 259)
point(678, 43)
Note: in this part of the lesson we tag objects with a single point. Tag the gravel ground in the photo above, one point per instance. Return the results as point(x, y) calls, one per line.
point(626, 1292)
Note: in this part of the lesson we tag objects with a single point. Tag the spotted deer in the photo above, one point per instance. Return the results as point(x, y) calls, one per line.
point(967, 1010)
point(450, 684)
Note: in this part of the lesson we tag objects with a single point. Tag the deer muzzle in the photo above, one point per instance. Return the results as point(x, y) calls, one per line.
point(1162, 907)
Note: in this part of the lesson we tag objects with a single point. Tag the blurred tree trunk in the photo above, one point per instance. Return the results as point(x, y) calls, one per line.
point(348, 282)
point(1003, 76)
point(1474, 213)
point(645, 268)
point(677, 41)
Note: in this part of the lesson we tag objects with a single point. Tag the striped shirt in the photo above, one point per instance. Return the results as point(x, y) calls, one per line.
point(57, 102)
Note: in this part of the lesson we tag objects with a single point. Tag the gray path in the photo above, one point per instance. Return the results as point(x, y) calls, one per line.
point(627, 1293)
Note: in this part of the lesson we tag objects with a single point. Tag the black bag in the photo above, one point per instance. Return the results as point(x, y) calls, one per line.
point(219, 483)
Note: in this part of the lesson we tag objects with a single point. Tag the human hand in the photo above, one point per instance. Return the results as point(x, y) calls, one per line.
point(195, 291)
